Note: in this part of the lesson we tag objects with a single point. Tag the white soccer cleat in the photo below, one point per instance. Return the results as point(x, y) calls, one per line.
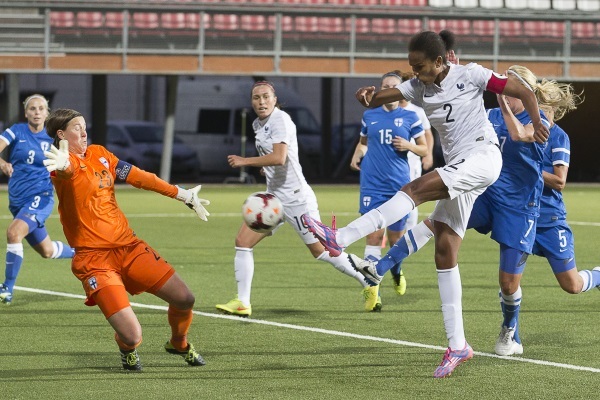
point(367, 268)
point(506, 345)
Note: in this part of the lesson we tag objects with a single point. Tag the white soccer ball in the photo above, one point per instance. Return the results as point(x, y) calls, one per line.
point(262, 212)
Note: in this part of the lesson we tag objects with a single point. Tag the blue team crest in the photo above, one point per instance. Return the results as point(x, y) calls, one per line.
point(398, 122)
point(103, 161)
point(92, 283)
point(366, 201)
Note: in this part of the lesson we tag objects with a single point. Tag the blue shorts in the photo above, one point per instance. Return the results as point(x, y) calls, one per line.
point(370, 201)
point(509, 227)
point(554, 242)
point(38, 209)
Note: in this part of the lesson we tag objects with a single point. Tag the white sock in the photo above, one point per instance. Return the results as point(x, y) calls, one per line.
point(451, 295)
point(15, 248)
point(57, 248)
point(418, 237)
point(244, 271)
point(587, 280)
point(413, 218)
point(342, 264)
point(392, 210)
point(373, 251)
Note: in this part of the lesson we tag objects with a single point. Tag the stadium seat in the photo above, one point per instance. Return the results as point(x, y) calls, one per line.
point(253, 23)
point(540, 29)
point(173, 21)
point(113, 20)
point(366, 3)
point(192, 21)
point(483, 28)
point(466, 3)
point(411, 3)
point(306, 24)
point(491, 3)
point(588, 5)
point(87, 19)
point(340, 2)
point(516, 4)
point(564, 5)
point(461, 27)
point(62, 19)
point(145, 20)
point(440, 3)
point(539, 4)
point(384, 26)
point(287, 23)
point(225, 22)
point(363, 25)
point(410, 26)
point(511, 29)
point(583, 30)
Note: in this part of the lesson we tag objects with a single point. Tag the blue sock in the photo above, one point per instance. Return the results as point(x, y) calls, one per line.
point(394, 257)
point(62, 250)
point(396, 269)
point(14, 260)
point(511, 305)
point(595, 281)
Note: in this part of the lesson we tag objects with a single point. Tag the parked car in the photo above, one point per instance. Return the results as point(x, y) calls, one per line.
point(140, 143)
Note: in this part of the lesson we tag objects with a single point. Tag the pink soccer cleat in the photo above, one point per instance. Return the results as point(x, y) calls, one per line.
point(323, 233)
point(451, 360)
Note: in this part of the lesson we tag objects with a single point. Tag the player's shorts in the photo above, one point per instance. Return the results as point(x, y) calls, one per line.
point(466, 178)
point(292, 213)
point(37, 208)
point(554, 242)
point(137, 267)
point(509, 227)
point(370, 201)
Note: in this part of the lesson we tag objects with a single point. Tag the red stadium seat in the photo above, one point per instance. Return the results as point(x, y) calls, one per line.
point(62, 19)
point(253, 23)
point(225, 22)
point(192, 21)
point(410, 26)
point(511, 28)
point(366, 3)
point(145, 20)
point(483, 28)
point(583, 30)
point(287, 23)
point(173, 20)
point(340, 2)
point(386, 26)
point(460, 27)
point(306, 24)
point(544, 29)
point(331, 24)
point(411, 3)
point(93, 19)
point(113, 20)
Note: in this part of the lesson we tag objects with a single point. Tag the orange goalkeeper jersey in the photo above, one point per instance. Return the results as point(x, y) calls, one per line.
point(89, 213)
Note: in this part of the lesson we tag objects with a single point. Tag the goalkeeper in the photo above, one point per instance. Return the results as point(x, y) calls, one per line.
point(110, 260)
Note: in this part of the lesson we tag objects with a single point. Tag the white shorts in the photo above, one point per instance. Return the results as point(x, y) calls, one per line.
point(466, 178)
point(293, 211)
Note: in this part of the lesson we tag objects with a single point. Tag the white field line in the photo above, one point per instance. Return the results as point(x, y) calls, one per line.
point(329, 332)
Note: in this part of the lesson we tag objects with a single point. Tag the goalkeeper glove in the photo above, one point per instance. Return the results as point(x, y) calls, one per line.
point(191, 199)
point(57, 159)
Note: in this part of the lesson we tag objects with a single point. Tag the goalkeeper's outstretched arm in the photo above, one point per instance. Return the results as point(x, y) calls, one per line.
point(148, 181)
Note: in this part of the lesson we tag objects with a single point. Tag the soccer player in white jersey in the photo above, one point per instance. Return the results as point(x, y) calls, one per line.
point(452, 97)
point(30, 192)
point(277, 147)
point(389, 134)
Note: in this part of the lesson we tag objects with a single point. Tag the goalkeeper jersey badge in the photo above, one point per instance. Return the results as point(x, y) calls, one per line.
point(103, 161)
point(92, 283)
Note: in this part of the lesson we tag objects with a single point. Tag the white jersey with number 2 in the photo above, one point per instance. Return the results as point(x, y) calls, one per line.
point(455, 108)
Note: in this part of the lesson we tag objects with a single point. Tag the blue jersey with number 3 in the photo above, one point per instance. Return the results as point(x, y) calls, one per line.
point(30, 177)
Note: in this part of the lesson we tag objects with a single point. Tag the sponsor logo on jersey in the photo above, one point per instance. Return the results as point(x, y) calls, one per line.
point(398, 122)
point(103, 161)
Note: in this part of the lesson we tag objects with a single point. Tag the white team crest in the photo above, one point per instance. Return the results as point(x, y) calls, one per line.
point(104, 161)
point(92, 283)
point(398, 122)
point(366, 201)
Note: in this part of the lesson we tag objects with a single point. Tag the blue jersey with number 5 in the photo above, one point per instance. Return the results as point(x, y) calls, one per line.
point(30, 176)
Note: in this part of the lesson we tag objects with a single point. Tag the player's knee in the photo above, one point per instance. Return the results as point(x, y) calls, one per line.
point(185, 301)
point(571, 287)
point(132, 337)
point(13, 236)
